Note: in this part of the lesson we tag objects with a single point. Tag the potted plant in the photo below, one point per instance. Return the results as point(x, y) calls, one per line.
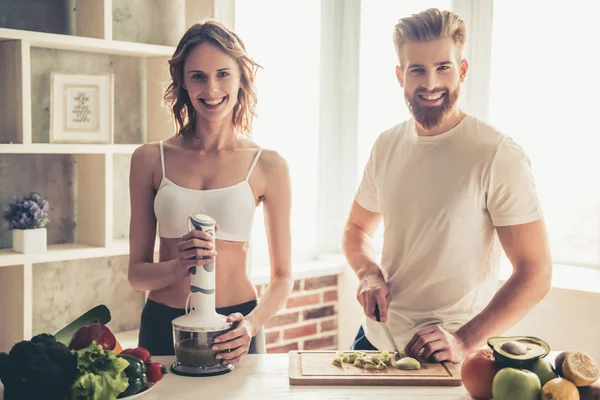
point(27, 216)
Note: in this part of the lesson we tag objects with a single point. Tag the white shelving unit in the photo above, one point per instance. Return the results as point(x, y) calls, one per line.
point(85, 44)
point(94, 177)
point(64, 252)
point(61, 148)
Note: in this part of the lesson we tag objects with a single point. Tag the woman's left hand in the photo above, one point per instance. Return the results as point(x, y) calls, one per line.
point(234, 345)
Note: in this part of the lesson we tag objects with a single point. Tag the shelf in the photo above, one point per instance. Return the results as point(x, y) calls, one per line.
point(80, 177)
point(58, 148)
point(65, 252)
point(86, 44)
point(58, 252)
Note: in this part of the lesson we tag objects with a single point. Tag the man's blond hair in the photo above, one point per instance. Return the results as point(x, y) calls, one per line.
point(431, 24)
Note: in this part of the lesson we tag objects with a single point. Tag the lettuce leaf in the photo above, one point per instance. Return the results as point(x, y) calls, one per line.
point(100, 386)
point(100, 374)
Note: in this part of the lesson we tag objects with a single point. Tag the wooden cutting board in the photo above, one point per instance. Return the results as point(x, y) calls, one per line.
point(315, 368)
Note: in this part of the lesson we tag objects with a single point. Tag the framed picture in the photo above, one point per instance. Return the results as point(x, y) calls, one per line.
point(81, 108)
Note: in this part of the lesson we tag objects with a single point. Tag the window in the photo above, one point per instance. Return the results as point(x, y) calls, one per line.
point(285, 37)
point(544, 93)
point(381, 99)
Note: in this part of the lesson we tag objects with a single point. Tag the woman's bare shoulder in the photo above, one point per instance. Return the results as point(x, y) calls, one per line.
point(272, 158)
point(273, 165)
point(146, 152)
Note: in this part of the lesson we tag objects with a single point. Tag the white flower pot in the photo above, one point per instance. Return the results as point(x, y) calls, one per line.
point(29, 240)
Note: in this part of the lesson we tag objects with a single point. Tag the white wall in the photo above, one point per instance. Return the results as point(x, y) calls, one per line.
point(566, 319)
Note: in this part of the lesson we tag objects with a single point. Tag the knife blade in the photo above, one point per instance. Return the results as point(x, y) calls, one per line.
point(388, 333)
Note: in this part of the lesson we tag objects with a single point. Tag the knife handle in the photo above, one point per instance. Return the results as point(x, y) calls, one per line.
point(376, 312)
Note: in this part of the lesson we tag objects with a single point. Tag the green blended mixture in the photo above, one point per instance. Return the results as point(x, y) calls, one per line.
point(189, 352)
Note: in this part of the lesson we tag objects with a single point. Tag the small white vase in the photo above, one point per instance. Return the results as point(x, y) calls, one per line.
point(29, 240)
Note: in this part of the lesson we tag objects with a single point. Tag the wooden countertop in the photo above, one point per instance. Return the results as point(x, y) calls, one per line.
point(260, 377)
point(263, 377)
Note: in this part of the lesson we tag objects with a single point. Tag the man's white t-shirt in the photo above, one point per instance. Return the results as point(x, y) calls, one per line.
point(440, 198)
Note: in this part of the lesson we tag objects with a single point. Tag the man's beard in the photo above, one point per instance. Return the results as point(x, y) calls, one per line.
point(430, 117)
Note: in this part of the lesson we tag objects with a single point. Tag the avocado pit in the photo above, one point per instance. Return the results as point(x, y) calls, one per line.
point(515, 348)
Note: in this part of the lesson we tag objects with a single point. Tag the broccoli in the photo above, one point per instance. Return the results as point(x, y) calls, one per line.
point(38, 369)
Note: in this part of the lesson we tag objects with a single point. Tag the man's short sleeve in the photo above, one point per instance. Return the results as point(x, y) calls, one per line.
point(366, 195)
point(512, 198)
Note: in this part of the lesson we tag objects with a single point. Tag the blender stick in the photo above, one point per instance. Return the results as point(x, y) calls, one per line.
point(202, 279)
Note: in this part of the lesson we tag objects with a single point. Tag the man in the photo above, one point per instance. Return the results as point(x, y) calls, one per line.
point(447, 187)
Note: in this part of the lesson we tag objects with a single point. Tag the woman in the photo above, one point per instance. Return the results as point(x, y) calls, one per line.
point(209, 166)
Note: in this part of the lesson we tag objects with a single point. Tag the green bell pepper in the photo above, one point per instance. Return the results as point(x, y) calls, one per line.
point(136, 374)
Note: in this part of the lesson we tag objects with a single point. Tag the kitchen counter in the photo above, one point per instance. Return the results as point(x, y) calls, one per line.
point(260, 377)
point(264, 377)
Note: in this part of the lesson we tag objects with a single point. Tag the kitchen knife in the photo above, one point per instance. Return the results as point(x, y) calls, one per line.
point(388, 333)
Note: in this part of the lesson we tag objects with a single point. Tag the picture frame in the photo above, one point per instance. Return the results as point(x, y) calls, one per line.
point(81, 108)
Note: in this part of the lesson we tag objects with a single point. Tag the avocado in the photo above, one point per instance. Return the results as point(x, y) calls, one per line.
point(517, 351)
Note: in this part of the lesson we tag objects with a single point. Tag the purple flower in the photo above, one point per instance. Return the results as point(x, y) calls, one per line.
point(27, 212)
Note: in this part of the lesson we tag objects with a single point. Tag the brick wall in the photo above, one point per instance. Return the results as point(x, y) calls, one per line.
point(309, 319)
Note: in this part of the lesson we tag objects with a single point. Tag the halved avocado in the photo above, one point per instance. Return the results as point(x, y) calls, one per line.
point(517, 351)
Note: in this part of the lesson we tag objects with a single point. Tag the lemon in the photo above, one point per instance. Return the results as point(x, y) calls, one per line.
point(559, 389)
point(580, 368)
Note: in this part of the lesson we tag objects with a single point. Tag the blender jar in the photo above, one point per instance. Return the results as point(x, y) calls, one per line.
point(193, 346)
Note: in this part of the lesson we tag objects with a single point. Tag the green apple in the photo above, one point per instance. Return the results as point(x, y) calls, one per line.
point(516, 384)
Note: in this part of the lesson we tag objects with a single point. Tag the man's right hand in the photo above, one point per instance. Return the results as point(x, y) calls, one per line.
point(372, 290)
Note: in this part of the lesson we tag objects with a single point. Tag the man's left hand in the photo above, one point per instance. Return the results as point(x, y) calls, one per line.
point(234, 345)
point(437, 344)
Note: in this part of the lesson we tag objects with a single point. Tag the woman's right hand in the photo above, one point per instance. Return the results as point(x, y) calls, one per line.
point(196, 248)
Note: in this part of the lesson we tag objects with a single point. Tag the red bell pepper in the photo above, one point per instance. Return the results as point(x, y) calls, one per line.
point(140, 353)
point(95, 332)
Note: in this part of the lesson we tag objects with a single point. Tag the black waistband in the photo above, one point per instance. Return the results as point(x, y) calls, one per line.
point(243, 308)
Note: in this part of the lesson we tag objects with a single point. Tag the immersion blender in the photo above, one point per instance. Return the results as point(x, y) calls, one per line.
point(193, 333)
